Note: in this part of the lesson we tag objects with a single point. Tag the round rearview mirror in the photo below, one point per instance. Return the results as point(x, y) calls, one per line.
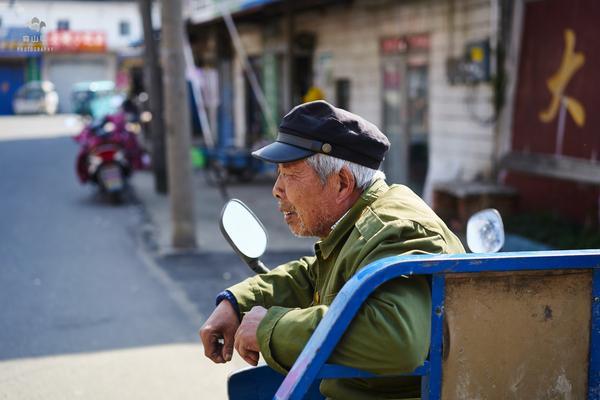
point(243, 230)
point(485, 231)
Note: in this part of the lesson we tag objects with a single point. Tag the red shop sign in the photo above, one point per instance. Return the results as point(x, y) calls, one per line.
point(77, 41)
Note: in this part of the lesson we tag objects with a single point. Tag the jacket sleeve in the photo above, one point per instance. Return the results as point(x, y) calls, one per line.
point(389, 334)
point(289, 285)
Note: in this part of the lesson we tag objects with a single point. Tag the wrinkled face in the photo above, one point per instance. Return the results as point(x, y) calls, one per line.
point(306, 203)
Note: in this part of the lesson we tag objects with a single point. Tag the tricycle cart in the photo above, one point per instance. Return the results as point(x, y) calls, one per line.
point(520, 325)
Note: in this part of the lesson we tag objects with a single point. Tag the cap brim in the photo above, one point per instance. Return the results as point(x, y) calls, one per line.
point(278, 152)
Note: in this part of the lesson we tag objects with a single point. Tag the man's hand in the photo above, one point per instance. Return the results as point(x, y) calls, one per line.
point(246, 342)
point(218, 332)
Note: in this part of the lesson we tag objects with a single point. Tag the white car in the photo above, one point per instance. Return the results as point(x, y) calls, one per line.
point(36, 97)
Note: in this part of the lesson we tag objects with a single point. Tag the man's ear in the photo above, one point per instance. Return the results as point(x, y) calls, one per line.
point(346, 185)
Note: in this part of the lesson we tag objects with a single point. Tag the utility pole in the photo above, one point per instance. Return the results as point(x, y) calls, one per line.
point(288, 91)
point(153, 85)
point(177, 118)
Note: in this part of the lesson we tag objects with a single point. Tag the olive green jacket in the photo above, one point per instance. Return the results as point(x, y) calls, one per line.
point(390, 334)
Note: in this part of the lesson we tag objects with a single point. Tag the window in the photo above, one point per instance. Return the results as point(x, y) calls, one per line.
point(63, 25)
point(124, 28)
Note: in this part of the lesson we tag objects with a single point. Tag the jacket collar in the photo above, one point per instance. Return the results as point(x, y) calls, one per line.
point(326, 245)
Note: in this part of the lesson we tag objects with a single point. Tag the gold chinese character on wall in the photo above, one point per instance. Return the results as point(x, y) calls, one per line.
point(571, 62)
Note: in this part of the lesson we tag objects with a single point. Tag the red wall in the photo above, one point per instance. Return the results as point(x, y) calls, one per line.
point(542, 48)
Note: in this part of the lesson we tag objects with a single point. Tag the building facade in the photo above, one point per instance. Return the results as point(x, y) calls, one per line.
point(385, 60)
point(80, 41)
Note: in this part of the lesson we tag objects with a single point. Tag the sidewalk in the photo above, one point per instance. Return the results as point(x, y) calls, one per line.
point(198, 275)
point(257, 195)
point(208, 202)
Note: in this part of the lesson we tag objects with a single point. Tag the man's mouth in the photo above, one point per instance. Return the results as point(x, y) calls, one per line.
point(287, 214)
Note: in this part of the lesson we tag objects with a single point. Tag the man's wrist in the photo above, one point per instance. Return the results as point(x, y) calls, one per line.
point(227, 295)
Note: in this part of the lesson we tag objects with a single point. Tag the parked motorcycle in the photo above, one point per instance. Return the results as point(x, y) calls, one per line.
point(109, 153)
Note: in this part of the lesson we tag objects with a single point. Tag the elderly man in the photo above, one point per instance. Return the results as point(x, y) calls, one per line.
point(329, 186)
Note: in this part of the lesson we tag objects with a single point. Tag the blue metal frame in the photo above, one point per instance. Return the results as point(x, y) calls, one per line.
point(255, 3)
point(432, 388)
point(594, 366)
point(310, 365)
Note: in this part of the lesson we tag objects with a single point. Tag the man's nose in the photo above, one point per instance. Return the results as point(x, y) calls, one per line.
point(277, 191)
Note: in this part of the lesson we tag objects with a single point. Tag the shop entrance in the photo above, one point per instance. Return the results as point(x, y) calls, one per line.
point(405, 109)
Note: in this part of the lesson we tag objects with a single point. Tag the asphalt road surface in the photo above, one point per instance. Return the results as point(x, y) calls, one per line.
point(84, 312)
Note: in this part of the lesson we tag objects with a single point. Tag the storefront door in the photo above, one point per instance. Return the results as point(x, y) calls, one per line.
point(405, 109)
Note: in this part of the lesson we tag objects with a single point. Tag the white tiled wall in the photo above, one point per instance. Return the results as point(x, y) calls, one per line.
point(461, 135)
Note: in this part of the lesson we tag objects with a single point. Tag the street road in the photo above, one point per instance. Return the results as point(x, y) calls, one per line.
point(84, 314)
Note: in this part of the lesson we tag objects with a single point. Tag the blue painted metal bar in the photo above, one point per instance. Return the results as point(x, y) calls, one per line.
point(225, 112)
point(255, 3)
point(425, 387)
point(594, 366)
point(420, 371)
point(500, 262)
point(438, 295)
point(356, 290)
point(341, 371)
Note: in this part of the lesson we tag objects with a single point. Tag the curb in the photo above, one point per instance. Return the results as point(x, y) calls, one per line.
point(147, 249)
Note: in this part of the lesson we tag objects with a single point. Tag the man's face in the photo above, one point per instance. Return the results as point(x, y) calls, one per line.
point(305, 202)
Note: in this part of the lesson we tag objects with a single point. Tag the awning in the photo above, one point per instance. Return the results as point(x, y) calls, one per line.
point(201, 11)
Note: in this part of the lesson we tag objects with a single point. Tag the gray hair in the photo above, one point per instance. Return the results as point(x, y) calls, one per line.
point(325, 165)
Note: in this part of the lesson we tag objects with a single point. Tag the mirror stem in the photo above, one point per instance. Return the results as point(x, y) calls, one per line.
point(258, 266)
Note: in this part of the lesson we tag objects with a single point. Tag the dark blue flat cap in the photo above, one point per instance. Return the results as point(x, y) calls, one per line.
point(319, 127)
